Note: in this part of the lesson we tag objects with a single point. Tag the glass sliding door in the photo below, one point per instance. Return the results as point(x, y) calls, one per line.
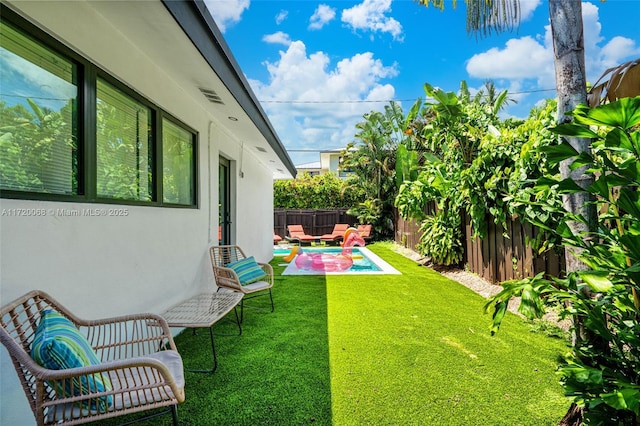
point(224, 201)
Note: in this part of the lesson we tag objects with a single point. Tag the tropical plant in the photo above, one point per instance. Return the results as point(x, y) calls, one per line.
point(486, 16)
point(448, 133)
point(602, 372)
point(367, 212)
point(371, 159)
point(622, 81)
point(500, 183)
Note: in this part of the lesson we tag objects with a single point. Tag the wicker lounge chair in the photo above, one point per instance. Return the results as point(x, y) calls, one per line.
point(131, 372)
point(227, 276)
point(297, 234)
point(336, 235)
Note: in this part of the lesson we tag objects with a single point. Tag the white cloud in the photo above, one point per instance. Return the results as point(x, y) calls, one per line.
point(280, 17)
point(591, 26)
point(371, 15)
point(616, 48)
point(226, 12)
point(598, 58)
point(521, 58)
point(527, 7)
point(315, 121)
point(277, 38)
point(528, 63)
point(322, 15)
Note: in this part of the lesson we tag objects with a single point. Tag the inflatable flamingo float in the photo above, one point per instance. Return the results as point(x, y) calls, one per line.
point(328, 262)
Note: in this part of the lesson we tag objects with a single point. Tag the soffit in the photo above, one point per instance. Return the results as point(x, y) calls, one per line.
point(150, 26)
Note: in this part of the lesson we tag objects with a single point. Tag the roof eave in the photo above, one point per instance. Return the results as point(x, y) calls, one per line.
point(198, 24)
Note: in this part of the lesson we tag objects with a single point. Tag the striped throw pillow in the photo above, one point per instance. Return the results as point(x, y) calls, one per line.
point(247, 269)
point(58, 345)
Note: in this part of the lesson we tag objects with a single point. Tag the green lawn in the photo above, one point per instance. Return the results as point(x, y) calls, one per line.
point(410, 349)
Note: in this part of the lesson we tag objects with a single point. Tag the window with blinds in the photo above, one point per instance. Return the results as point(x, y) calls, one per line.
point(38, 117)
point(70, 131)
point(177, 164)
point(123, 141)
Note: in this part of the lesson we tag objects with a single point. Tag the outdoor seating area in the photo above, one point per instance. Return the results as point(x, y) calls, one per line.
point(318, 339)
point(91, 370)
point(296, 234)
point(336, 235)
point(75, 371)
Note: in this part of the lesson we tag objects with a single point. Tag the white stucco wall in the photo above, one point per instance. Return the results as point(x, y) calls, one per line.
point(152, 257)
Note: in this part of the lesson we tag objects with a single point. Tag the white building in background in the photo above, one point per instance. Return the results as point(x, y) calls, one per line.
point(160, 151)
point(329, 163)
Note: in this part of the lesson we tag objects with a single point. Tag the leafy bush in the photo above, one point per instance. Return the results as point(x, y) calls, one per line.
point(450, 132)
point(442, 238)
point(367, 212)
point(325, 191)
point(602, 372)
point(500, 183)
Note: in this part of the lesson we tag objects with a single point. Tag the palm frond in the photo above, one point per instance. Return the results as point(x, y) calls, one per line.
point(484, 17)
point(618, 82)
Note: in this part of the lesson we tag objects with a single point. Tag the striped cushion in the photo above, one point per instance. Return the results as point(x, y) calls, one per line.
point(58, 345)
point(247, 270)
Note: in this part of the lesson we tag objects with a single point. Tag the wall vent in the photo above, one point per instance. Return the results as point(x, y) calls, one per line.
point(261, 149)
point(211, 96)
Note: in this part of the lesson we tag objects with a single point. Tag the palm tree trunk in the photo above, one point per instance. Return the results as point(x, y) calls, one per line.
point(568, 48)
point(571, 85)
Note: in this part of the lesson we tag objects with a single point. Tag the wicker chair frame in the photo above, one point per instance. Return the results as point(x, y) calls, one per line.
point(228, 279)
point(137, 352)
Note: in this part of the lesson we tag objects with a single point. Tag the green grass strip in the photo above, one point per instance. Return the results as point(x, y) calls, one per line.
point(410, 349)
point(415, 349)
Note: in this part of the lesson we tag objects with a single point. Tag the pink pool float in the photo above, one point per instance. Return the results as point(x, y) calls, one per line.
point(329, 262)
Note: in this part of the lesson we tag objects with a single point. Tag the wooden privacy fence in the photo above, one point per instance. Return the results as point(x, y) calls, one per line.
point(502, 255)
point(314, 221)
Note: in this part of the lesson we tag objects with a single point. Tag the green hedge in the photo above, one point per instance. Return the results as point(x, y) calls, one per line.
point(325, 191)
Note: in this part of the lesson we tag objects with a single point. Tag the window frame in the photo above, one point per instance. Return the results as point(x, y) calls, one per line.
point(88, 74)
point(194, 158)
point(107, 78)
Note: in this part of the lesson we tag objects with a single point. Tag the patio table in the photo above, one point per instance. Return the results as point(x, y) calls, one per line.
point(203, 311)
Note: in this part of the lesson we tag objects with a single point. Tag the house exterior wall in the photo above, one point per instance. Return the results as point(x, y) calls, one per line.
point(147, 258)
point(334, 162)
point(330, 163)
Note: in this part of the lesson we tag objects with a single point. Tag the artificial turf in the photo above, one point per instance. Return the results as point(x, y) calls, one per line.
point(410, 349)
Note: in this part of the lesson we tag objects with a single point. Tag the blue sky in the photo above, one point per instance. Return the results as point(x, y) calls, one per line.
point(318, 66)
